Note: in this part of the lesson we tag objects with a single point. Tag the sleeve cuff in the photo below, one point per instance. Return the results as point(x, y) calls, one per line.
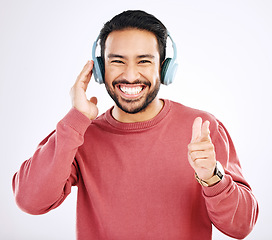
point(217, 188)
point(76, 120)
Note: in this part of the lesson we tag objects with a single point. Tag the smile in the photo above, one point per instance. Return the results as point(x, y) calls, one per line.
point(131, 90)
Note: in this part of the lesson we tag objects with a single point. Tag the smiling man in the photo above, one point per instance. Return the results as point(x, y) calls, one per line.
point(147, 168)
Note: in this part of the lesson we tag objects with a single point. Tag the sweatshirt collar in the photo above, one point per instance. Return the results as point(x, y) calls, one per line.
point(138, 126)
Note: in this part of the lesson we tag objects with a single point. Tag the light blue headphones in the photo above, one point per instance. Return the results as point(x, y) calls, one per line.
point(168, 70)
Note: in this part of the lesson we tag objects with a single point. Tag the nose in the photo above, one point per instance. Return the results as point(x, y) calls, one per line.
point(131, 73)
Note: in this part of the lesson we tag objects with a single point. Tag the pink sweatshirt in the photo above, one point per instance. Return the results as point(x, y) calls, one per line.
point(134, 179)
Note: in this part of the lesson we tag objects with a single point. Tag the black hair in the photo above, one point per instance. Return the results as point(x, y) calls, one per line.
point(139, 20)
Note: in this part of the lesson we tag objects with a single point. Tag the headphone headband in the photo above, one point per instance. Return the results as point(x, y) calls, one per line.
point(170, 65)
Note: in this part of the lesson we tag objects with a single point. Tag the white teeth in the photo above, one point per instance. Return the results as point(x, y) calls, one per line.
point(131, 90)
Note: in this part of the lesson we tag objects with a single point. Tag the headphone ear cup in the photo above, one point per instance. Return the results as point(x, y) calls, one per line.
point(168, 71)
point(164, 69)
point(99, 69)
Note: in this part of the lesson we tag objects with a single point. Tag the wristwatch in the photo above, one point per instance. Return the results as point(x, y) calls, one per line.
point(217, 177)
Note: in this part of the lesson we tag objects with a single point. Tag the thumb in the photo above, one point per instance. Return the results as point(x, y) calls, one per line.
point(196, 129)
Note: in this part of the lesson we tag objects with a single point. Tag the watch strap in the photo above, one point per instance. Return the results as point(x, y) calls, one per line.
point(217, 177)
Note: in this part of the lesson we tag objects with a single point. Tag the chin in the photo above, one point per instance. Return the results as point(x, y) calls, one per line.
point(133, 106)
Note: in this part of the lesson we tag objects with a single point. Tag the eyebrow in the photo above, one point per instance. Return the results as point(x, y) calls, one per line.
point(146, 56)
point(112, 55)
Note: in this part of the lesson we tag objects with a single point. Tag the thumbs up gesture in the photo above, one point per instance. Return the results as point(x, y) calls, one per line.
point(201, 153)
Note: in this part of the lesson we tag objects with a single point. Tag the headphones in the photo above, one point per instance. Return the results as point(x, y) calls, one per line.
point(168, 69)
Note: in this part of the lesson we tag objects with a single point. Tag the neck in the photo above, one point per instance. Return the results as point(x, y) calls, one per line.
point(147, 114)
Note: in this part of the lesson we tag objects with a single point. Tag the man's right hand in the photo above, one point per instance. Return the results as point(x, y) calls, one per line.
point(78, 93)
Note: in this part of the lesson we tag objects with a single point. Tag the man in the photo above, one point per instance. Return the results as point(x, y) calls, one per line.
point(148, 168)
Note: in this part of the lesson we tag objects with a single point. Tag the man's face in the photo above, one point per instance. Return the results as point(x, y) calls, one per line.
point(132, 68)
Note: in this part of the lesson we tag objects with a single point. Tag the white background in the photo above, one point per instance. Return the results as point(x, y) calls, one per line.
point(225, 59)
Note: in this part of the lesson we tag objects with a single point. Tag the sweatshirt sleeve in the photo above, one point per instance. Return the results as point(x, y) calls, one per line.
point(231, 204)
point(44, 181)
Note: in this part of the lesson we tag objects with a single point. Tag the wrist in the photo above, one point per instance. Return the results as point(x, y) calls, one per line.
point(216, 178)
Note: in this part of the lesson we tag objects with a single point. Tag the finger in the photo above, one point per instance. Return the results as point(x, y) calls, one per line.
point(88, 66)
point(198, 155)
point(203, 163)
point(205, 131)
point(86, 73)
point(200, 146)
point(93, 100)
point(196, 129)
point(202, 155)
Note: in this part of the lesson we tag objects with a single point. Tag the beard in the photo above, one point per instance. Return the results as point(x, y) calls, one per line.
point(133, 106)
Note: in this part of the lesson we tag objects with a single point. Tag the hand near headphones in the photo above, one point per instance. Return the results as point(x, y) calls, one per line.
point(78, 93)
point(201, 153)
